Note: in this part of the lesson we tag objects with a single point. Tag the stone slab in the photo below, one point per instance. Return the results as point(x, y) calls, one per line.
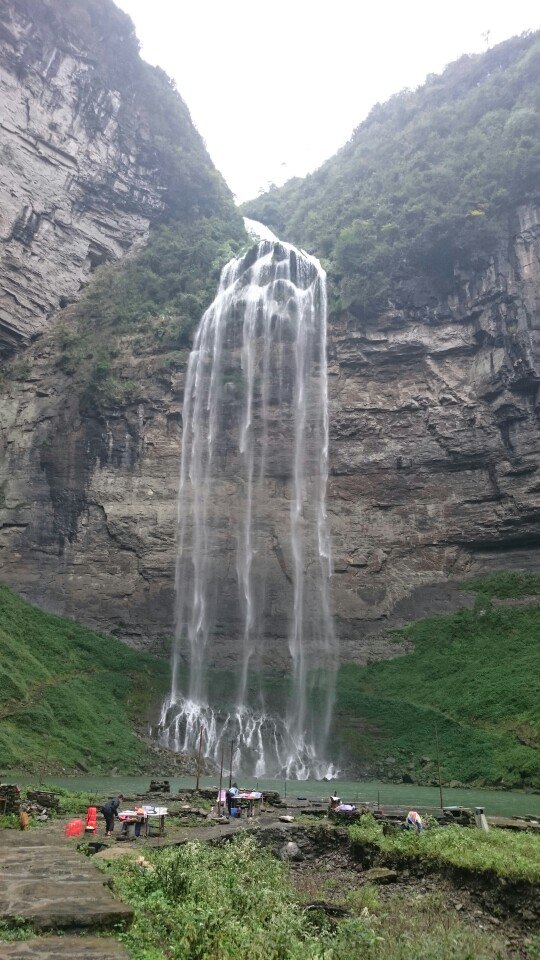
point(38, 838)
point(70, 948)
point(64, 909)
point(50, 885)
point(45, 865)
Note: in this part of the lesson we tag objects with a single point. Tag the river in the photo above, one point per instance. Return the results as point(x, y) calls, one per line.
point(495, 802)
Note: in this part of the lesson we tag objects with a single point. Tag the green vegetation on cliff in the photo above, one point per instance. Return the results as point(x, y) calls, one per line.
point(427, 185)
point(70, 698)
point(150, 301)
point(473, 678)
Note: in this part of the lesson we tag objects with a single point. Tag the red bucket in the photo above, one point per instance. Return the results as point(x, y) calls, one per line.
point(73, 829)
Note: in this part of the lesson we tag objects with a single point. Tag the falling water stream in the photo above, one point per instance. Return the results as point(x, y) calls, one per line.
point(254, 557)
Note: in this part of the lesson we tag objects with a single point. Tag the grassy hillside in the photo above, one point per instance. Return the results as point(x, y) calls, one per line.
point(428, 183)
point(69, 698)
point(473, 679)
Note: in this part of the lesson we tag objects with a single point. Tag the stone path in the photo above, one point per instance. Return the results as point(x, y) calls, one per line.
point(47, 884)
point(70, 948)
point(174, 838)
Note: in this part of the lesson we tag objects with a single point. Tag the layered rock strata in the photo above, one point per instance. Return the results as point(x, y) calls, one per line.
point(435, 468)
point(80, 178)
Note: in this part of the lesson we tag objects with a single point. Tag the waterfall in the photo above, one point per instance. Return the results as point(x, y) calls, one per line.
point(255, 653)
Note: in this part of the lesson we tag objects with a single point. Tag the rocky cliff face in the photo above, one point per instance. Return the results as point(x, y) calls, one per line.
point(436, 442)
point(81, 178)
point(435, 467)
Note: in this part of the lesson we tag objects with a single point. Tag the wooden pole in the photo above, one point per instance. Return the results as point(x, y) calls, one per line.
point(230, 767)
point(439, 764)
point(199, 762)
point(221, 780)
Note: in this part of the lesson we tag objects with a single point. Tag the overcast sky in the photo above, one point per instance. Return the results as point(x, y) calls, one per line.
point(276, 88)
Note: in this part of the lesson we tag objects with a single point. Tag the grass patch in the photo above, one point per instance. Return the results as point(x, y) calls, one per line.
point(510, 855)
point(473, 676)
point(9, 821)
point(69, 697)
point(506, 584)
point(15, 930)
point(73, 801)
point(416, 927)
point(410, 926)
point(199, 902)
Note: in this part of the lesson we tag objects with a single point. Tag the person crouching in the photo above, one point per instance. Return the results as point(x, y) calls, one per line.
point(413, 821)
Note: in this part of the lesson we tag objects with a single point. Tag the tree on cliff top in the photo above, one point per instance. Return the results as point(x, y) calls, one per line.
point(428, 184)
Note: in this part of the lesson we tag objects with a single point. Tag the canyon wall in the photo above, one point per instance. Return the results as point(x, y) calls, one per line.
point(83, 172)
point(435, 467)
point(434, 440)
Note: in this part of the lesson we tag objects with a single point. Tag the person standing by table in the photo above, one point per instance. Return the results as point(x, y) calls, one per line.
point(231, 796)
point(110, 811)
point(141, 817)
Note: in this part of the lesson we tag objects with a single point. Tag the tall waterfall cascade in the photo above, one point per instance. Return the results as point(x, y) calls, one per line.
point(255, 652)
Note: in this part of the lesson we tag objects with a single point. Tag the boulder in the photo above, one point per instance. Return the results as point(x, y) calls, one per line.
point(45, 799)
point(159, 786)
point(291, 852)
point(380, 875)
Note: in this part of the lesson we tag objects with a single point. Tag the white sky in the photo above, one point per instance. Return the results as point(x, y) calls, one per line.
point(277, 88)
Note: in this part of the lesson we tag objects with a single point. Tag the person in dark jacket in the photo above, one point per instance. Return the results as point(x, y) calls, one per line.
point(110, 811)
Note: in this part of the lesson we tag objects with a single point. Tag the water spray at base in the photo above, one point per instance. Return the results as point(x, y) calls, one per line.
point(262, 745)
